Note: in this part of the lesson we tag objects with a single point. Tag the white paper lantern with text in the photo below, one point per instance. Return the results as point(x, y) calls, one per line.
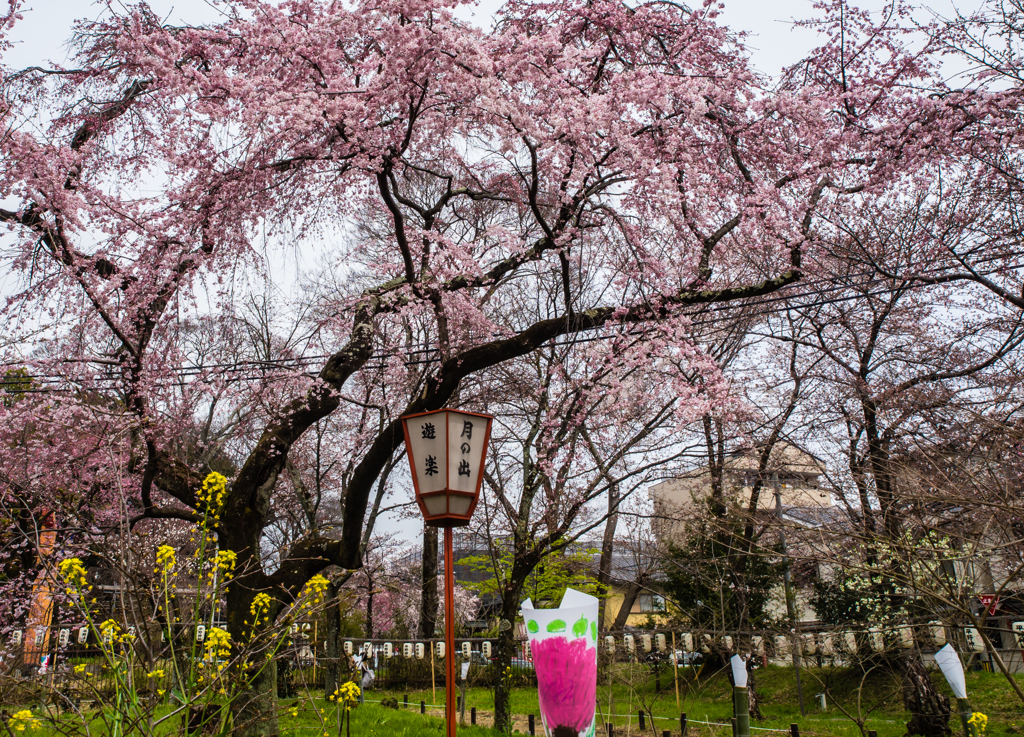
point(446, 450)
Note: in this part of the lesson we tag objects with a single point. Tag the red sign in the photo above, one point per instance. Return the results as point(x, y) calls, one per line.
point(989, 600)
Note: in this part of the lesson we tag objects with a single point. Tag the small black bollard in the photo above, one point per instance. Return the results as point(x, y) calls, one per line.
point(529, 722)
point(407, 701)
point(472, 715)
point(734, 727)
point(666, 733)
point(682, 724)
point(794, 730)
point(872, 733)
point(423, 707)
point(643, 724)
point(608, 726)
point(458, 702)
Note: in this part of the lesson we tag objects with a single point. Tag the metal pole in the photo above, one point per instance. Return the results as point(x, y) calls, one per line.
point(790, 595)
point(449, 634)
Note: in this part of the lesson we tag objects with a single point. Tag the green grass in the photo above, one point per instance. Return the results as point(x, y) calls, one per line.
point(704, 696)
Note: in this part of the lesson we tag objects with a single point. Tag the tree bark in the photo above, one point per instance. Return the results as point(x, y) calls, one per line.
point(505, 651)
point(929, 709)
point(604, 571)
point(254, 710)
point(628, 598)
point(428, 597)
point(332, 642)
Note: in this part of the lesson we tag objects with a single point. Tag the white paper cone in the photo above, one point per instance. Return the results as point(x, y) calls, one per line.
point(564, 646)
point(953, 670)
point(739, 671)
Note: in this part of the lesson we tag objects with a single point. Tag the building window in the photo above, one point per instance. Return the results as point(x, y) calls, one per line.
point(649, 603)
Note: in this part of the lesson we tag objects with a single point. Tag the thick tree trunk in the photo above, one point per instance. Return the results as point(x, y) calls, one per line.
point(428, 598)
point(928, 708)
point(332, 642)
point(604, 571)
point(505, 651)
point(628, 598)
point(255, 709)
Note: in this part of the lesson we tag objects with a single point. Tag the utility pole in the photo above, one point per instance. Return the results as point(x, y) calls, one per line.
point(790, 594)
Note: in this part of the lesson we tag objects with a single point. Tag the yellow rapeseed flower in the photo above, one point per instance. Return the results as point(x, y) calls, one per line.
point(313, 592)
point(213, 494)
point(165, 558)
point(73, 572)
point(224, 564)
point(23, 719)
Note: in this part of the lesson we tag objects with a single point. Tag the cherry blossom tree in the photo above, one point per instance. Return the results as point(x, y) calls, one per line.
point(579, 169)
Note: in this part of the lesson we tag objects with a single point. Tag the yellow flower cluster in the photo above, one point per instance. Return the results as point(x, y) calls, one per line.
point(979, 721)
point(158, 673)
point(74, 575)
point(80, 668)
point(313, 592)
point(111, 632)
point(212, 495)
point(165, 559)
point(218, 644)
point(260, 609)
point(224, 563)
point(346, 695)
point(22, 720)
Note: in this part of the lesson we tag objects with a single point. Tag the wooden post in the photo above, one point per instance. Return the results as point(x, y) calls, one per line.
point(312, 650)
point(433, 680)
point(675, 669)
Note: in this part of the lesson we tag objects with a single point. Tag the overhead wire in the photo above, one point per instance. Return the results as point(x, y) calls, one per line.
point(775, 303)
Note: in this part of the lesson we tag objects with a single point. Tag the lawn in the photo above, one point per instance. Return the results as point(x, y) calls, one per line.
point(704, 697)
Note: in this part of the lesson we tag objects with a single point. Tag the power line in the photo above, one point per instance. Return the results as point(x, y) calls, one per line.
point(810, 288)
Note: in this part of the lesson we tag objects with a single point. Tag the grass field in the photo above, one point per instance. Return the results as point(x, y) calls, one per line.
point(705, 697)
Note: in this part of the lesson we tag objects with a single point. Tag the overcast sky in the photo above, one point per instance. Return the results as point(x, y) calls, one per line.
point(775, 43)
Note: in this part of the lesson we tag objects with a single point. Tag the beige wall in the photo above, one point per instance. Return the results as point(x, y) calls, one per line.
point(677, 500)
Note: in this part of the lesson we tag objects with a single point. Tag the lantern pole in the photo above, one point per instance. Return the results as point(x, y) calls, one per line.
point(449, 633)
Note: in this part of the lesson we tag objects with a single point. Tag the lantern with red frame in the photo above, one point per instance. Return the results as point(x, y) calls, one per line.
point(446, 454)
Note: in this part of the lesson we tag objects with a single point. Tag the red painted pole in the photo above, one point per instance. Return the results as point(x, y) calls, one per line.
point(449, 633)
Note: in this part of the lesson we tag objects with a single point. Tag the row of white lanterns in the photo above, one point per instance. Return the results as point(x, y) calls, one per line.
point(825, 645)
point(413, 649)
point(822, 644)
point(64, 636)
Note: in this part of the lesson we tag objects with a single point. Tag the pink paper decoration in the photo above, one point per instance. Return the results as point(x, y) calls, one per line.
point(566, 674)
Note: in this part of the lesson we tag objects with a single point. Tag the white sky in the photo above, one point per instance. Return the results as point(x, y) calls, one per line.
point(775, 43)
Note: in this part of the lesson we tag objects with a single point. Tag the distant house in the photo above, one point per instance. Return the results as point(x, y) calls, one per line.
point(635, 583)
point(797, 472)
